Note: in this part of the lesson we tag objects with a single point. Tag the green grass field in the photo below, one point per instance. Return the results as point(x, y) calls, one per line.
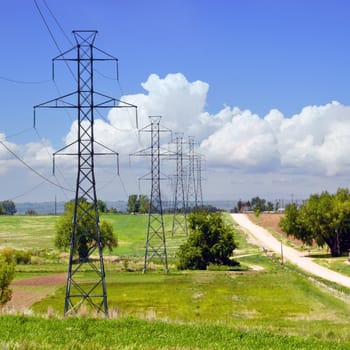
point(268, 306)
point(31, 333)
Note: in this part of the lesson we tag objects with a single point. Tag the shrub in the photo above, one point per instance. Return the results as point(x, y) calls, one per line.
point(210, 241)
point(7, 272)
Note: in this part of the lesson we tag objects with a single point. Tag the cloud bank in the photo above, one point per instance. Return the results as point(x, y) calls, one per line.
point(315, 141)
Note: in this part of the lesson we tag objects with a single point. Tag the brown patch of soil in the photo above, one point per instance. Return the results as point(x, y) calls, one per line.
point(50, 280)
point(23, 298)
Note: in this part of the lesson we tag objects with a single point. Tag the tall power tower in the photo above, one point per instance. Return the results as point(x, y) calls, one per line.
point(155, 237)
point(191, 193)
point(179, 218)
point(85, 244)
point(199, 191)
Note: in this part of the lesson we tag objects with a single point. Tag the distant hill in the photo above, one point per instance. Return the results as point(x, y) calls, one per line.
point(121, 206)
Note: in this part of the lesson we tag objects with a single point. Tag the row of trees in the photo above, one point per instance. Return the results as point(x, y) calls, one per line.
point(256, 204)
point(324, 219)
point(138, 204)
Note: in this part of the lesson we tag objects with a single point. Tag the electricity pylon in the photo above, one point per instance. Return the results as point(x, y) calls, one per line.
point(179, 217)
point(85, 240)
point(191, 193)
point(199, 190)
point(155, 237)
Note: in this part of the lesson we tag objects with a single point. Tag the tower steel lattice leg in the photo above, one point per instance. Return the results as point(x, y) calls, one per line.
point(179, 216)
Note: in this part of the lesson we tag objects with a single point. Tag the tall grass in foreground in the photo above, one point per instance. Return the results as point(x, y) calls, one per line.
point(23, 332)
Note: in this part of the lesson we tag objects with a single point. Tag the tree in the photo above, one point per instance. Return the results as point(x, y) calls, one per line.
point(102, 206)
point(269, 206)
point(9, 207)
point(258, 204)
point(211, 240)
point(7, 273)
point(143, 204)
point(324, 219)
point(84, 242)
point(133, 205)
point(138, 204)
point(31, 212)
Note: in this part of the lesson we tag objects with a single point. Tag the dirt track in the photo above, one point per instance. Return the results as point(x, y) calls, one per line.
point(24, 298)
point(266, 241)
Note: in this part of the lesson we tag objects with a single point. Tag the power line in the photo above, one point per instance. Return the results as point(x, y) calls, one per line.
point(52, 36)
point(46, 25)
point(50, 155)
point(6, 137)
point(28, 191)
point(57, 22)
point(15, 81)
point(32, 169)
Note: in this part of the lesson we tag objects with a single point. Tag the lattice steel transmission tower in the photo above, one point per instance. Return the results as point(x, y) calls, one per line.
point(155, 237)
point(191, 193)
point(199, 191)
point(179, 218)
point(85, 244)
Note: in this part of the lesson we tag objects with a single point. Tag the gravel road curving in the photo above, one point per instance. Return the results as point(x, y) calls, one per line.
point(267, 241)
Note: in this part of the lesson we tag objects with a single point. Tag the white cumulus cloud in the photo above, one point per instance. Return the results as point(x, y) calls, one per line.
point(314, 141)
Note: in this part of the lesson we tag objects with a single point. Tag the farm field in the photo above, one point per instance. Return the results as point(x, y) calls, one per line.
point(263, 305)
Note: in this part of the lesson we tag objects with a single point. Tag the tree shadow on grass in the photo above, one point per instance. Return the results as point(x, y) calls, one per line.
point(320, 255)
point(326, 255)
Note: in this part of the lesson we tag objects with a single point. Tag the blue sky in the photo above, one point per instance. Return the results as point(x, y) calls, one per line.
point(248, 56)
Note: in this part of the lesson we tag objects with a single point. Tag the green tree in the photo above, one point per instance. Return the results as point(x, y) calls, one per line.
point(102, 206)
point(133, 204)
point(9, 207)
point(258, 204)
point(324, 219)
point(211, 240)
point(143, 202)
point(86, 231)
point(7, 273)
point(269, 206)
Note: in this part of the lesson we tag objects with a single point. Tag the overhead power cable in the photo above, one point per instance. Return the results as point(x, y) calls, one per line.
point(28, 191)
point(46, 25)
point(6, 137)
point(32, 169)
point(58, 23)
point(15, 81)
point(52, 36)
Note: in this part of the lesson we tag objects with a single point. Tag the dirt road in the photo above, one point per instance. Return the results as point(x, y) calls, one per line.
point(267, 241)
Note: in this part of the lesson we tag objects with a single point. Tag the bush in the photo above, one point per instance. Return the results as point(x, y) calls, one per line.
point(210, 241)
point(22, 257)
point(7, 273)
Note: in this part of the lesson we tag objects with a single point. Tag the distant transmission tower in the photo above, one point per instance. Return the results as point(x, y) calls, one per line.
point(199, 190)
point(191, 193)
point(85, 234)
point(155, 238)
point(179, 218)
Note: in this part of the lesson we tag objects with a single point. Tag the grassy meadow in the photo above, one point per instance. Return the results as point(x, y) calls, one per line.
point(263, 305)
